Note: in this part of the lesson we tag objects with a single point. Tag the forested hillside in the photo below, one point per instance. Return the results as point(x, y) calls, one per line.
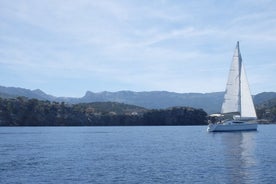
point(266, 111)
point(21, 111)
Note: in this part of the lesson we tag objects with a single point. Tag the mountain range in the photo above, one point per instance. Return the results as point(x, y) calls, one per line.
point(210, 102)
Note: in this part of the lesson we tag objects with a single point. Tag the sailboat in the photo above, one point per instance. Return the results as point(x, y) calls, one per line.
point(237, 111)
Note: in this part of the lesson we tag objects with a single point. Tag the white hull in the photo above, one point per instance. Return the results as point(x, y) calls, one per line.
point(229, 126)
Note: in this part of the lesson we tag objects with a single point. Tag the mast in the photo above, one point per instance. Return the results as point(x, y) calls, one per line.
point(240, 66)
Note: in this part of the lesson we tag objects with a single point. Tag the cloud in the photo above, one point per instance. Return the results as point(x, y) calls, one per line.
point(157, 44)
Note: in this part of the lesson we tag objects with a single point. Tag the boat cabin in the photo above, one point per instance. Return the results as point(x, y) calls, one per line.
point(215, 118)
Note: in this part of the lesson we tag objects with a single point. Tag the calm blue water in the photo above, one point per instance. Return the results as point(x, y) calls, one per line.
point(165, 154)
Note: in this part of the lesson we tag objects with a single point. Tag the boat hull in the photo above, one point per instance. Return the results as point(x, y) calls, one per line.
point(230, 126)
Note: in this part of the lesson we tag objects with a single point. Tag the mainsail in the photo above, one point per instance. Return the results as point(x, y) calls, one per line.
point(237, 98)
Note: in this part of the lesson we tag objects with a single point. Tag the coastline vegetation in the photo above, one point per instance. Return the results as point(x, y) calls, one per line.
point(266, 111)
point(22, 111)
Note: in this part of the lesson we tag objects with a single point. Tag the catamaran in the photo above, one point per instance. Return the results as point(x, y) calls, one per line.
point(237, 111)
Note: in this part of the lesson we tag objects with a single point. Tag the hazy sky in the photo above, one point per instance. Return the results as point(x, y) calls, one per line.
point(65, 47)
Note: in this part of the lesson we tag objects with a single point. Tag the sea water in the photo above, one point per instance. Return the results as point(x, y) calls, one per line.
point(139, 154)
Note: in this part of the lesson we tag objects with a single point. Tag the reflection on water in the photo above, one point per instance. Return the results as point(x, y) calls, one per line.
point(239, 156)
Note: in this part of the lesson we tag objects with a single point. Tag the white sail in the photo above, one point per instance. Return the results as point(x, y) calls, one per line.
point(247, 106)
point(237, 98)
point(232, 94)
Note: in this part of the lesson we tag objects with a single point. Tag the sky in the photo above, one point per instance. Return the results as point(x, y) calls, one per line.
point(66, 47)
